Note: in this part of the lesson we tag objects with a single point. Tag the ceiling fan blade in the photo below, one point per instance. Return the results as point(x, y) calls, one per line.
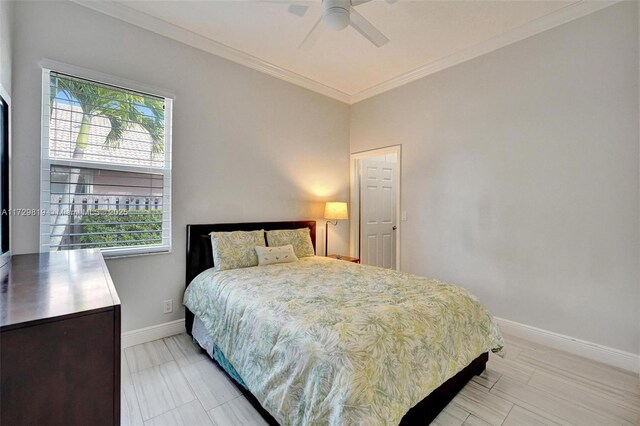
point(358, 2)
point(392, 1)
point(311, 38)
point(298, 9)
point(367, 29)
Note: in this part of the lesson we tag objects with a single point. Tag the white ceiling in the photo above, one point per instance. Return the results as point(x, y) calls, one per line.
point(421, 33)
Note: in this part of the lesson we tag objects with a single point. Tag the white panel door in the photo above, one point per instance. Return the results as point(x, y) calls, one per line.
point(378, 213)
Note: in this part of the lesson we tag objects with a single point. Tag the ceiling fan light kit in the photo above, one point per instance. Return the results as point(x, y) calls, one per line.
point(335, 14)
point(339, 14)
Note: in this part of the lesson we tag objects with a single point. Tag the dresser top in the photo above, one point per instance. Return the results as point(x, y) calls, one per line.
point(41, 286)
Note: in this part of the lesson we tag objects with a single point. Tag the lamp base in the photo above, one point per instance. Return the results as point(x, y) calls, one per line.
point(326, 236)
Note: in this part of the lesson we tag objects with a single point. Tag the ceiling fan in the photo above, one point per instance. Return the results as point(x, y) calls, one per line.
point(337, 15)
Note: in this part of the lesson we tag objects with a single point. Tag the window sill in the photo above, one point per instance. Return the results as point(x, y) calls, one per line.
point(109, 254)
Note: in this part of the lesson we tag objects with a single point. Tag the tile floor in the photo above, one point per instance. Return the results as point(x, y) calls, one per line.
point(171, 382)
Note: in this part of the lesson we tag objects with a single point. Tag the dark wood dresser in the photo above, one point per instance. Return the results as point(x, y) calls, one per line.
point(59, 340)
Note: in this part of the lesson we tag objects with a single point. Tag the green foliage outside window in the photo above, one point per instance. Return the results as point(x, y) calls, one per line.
point(132, 227)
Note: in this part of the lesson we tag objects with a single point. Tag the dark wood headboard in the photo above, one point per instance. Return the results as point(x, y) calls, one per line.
point(199, 256)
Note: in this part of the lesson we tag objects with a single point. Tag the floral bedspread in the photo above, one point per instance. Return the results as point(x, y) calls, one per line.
point(323, 341)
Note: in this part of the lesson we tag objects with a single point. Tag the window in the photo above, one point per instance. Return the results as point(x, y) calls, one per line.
point(106, 168)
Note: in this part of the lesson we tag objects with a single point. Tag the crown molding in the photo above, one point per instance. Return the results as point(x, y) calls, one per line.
point(159, 26)
point(544, 23)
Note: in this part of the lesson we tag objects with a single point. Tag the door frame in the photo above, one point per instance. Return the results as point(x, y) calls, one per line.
point(354, 223)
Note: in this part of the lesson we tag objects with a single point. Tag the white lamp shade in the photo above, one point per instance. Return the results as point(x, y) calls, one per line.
point(335, 210)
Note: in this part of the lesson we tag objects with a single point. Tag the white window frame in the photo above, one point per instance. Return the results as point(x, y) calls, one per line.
point(45, 170)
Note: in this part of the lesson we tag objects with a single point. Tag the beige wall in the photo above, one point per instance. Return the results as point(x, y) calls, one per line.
point(521, 179)
point(246, 146)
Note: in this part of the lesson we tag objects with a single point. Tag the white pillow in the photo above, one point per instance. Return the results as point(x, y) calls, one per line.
point(271, 255)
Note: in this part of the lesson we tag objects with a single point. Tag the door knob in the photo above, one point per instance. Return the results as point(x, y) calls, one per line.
point(394, 227)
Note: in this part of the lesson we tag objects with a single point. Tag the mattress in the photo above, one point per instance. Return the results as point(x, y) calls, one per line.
point(322, 341)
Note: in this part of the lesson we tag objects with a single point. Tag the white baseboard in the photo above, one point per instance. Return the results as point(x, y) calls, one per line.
point(154, 332)
point(604, 354)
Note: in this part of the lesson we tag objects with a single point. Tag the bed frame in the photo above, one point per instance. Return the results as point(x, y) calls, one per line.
point(200, 258)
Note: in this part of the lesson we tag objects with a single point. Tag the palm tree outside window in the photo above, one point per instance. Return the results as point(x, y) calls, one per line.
point(104, 143)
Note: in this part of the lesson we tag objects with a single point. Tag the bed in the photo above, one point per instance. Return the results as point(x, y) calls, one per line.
point(322, 341)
